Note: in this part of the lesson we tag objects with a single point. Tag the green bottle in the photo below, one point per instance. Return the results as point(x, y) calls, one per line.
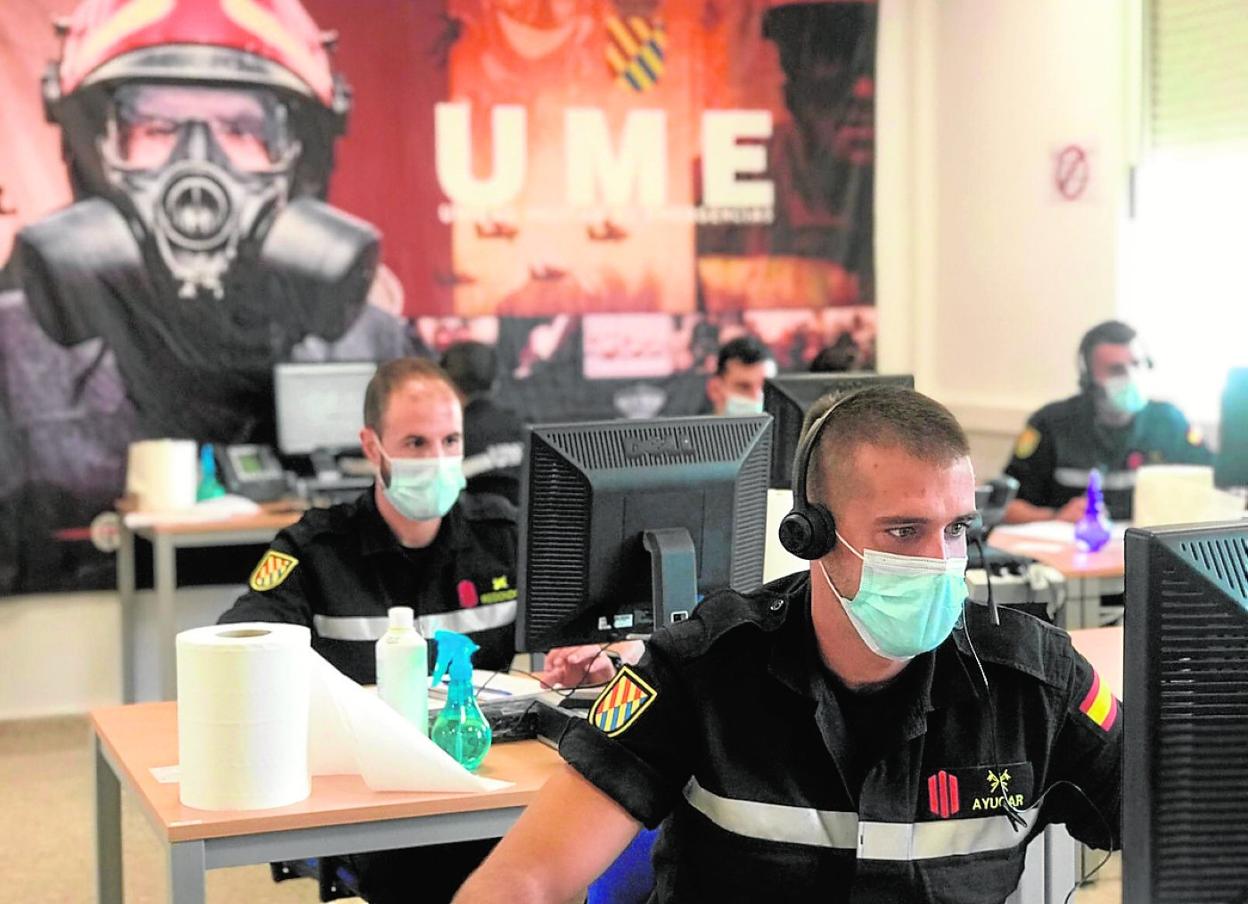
point(461, 729)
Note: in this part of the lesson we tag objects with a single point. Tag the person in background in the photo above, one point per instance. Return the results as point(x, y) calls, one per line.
point(1111, 425)
point(736, 387)
point(856, 732)
point(840, 356)
point(493, 434)
point(417, 539)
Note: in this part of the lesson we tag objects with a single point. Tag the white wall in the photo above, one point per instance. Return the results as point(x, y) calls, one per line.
point(987, 279)
point(62, 652)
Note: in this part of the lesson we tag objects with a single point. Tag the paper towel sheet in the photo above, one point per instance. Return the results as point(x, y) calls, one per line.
point(353, 731)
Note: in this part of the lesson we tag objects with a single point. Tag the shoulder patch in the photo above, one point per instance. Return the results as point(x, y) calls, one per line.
point(621, 703)
point(1100, 705)
point(274, 568)
point(1028, 442)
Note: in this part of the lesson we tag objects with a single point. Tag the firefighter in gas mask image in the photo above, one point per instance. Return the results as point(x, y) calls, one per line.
point(198, 137)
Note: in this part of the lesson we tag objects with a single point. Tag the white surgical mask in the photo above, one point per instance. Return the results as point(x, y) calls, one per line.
point(905, 605)
point(424, 488)
point(739, 405)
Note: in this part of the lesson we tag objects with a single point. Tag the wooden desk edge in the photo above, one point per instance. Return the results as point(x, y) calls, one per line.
point(219, 824)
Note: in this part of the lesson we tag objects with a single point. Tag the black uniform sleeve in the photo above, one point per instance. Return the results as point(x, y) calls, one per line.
point(1088, 754)
point(1033, 462)
point(641, 759)
point(273, 595)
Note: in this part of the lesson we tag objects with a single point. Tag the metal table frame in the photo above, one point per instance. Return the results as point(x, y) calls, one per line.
point(165, 546)
point(189, 861)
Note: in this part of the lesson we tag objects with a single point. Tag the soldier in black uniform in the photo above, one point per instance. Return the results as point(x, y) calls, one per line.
point(833, 737)
point(1110, 426)
point(413, 540)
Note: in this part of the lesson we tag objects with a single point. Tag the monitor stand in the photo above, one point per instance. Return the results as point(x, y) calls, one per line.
point(673, 574)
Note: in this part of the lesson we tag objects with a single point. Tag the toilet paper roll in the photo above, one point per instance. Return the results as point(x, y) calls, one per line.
point(162, 474)
point(243, 694)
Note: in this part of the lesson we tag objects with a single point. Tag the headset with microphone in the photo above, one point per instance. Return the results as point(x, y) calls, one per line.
point(808, 531)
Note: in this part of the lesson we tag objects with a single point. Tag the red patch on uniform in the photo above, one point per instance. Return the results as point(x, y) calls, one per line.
point(467, 591)
point(1134, 460)
point(942, 794)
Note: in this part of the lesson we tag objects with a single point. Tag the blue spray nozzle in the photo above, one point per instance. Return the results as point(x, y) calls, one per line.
point(454, 654)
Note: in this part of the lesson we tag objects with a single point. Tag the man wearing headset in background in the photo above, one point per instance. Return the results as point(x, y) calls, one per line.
point(839, 734)
point(1111, 425)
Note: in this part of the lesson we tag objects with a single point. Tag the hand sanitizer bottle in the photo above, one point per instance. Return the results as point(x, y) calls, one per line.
point(461, 729)
point(403, 668)
point(1092, 530)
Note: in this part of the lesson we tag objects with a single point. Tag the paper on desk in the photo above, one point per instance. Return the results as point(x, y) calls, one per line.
point(353, 731)
point(221, 508)
point(1052, 531)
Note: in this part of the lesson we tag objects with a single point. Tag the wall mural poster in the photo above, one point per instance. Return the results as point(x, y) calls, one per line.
point(606, 189)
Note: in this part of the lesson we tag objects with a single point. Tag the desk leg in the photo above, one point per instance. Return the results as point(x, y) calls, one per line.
point(1031, 885)
point(108, 874)
point(186, 872)
point(165, 577)
point(1062, 854)
point(126, 595)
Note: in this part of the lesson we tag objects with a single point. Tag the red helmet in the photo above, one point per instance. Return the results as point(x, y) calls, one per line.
point(272, 44)
point(266, 42)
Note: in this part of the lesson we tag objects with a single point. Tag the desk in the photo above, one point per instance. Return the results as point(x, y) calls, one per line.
point(341, 816)
point(1089, 575)
point(166, 539)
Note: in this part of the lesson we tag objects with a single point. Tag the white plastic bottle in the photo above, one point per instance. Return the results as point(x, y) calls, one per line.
point(403, 668)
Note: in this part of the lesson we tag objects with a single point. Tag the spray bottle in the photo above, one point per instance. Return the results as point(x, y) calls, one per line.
point(403, 669)
point(1092, 530)
point(461, 729)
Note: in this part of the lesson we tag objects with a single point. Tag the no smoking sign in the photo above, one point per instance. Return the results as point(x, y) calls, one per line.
point(1071, 172)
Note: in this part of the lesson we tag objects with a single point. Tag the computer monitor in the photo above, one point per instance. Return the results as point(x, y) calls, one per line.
point(786, 398)
point(1231, 468)
point(627, 524)
point(1185, 769)
point(320, 406)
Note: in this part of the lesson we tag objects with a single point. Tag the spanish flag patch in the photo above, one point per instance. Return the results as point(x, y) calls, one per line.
point(274, 568)
point(1100, 705)
point(621, 702)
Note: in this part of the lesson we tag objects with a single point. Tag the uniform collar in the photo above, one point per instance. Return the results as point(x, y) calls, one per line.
point(795, 660)
point(376, 536)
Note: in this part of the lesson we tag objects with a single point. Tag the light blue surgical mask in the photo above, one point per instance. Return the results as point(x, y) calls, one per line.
point(740, 406)
point(905, 605)
point(424, 488)
point(1125, 394)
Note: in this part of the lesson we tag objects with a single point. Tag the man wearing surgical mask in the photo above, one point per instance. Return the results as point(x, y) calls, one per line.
point(417, 539)
point(857, 732)
point(736, 388)
point(1111, 425)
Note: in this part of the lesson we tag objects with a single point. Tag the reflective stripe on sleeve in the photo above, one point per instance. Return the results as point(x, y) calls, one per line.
point(842, 830)
point(464, 621)
point(1076, 478)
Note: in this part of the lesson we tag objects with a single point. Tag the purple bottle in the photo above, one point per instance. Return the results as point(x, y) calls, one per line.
point(1092, 530)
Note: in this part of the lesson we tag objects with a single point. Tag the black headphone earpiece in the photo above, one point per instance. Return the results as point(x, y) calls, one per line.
point(808, 531)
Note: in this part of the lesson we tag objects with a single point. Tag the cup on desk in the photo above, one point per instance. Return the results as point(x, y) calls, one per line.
point(162, 474)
